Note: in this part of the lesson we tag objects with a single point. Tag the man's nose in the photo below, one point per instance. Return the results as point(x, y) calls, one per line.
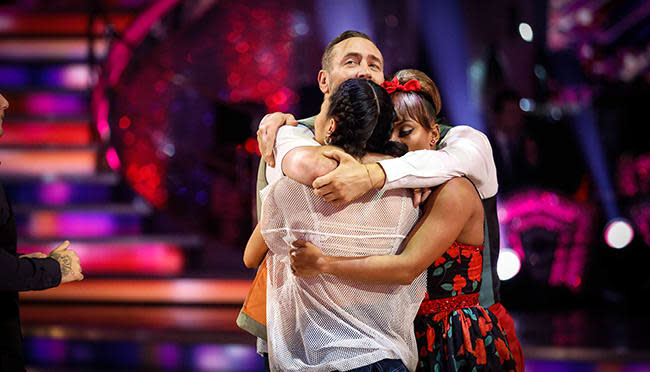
point(364, 72)
point(394, 136)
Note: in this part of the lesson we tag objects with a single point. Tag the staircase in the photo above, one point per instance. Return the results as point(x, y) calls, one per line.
point(145, 303)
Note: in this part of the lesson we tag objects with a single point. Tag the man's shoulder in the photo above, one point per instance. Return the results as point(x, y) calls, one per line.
point(292, 131)
point(308, 122)
point(461, 129)
point(462, 133)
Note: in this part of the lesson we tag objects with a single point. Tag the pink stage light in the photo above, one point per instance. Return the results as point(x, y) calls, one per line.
point(76, 77)
point(154, 258)
point(46, 162)
point(54, 103)
point(55, 193)
point(45, 224)
point(641, 215)
point(633, 175)
point(570, 220)
point(50, 48)
point(112, 159)
point(31, 133)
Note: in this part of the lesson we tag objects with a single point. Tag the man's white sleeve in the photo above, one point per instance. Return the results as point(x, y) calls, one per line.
point(288, 138)
point(463, 152)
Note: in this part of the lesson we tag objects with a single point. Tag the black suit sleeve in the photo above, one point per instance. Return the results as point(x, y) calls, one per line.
point(24, 274)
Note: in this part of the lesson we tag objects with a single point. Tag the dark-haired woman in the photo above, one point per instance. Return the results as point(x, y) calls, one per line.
point(324, 323)
point(454, 332)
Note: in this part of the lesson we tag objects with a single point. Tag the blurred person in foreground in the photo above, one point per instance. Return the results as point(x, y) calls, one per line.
point(34, 271)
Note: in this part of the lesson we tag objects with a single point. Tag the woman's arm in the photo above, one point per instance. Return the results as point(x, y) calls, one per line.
point(255, 249)
point(445, 215)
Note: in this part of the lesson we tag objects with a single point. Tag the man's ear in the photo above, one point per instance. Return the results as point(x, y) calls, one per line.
point(323, 81)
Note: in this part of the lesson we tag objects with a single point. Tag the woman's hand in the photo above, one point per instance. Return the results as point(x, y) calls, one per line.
point(307, 260)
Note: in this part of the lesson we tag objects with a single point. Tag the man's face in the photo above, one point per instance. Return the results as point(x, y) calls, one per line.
point(4, 104)
point(355, 57)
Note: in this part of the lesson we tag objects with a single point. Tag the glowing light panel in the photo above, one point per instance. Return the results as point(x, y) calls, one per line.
point(618, 233)
point(508, 264)
point(526, 32)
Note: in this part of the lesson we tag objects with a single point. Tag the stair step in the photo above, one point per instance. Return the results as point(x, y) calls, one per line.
point(48, 161)
point(138, 339)
point(76, 221)
point(72, 49)
point(67, 133)
point(154, 256)
point(15, 117)
point(73, 225)
point(20, 24)
point(140, 208)
point(74, 6)
point(120, 317)
point(73, 76)
point(102, 178)
point(145, 291)
point(44, 103)
point(59, 193)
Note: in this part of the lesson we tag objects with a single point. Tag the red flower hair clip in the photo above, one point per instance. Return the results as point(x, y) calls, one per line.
point(410, 86)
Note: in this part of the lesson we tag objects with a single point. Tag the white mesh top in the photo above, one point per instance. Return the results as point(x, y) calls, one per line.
point(325, 323)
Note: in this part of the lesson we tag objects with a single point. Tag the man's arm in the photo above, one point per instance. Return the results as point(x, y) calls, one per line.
point(267, 132)
point(35, 272)
point(24, 274)
point(464, 152)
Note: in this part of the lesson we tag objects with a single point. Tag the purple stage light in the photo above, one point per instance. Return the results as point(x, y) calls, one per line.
point(75, 76)
point(55, 193)
point(443, 35)
point(11, 76)
point(169, 355)
point(47, 351)
point(224, 357)
point(55, 104)
point(588, 135)
point(340, 15)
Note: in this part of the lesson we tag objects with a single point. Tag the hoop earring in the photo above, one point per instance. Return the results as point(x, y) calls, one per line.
point(327, 140)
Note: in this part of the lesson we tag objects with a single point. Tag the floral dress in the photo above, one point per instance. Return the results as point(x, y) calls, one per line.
point(453, 332)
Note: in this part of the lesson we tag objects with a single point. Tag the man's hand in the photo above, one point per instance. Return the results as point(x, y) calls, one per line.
point(33, 255)
point(349, 180)
point(420, 195)
point(267, 132)
point(69, 261)
point(307, 260)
